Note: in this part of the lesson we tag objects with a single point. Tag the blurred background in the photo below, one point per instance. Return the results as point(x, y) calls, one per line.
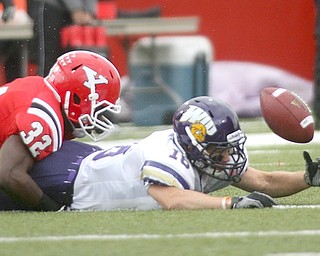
point(278, 33)
point(232, 50)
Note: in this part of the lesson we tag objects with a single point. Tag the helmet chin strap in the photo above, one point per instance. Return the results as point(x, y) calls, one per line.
point(66, 102)
point(78, 132)
point(93, 97)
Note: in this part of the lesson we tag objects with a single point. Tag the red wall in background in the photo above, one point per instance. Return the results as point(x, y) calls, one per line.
point(272, 32)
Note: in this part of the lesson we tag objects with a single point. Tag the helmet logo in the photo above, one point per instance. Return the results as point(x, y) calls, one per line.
point(198, 131)
point(202, 123)
point(92, 78)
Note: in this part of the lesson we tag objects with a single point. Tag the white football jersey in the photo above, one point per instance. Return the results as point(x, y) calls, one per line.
point(118, 177)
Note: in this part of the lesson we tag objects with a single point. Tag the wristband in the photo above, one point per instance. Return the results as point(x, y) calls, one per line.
point(225, 203)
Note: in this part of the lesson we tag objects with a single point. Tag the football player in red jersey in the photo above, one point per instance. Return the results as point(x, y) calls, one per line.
point(38, 113)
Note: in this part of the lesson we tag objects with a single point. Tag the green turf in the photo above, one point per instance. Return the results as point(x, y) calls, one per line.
point(198, 232)
point(170, 228)
point(130, 131)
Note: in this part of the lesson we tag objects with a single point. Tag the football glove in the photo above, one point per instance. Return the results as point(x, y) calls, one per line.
point(312, 174)
point(253, 200)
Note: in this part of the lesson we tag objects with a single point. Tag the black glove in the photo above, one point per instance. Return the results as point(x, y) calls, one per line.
point(312, 174)
point(253, 200)
point(8, 10)
point(47, 204)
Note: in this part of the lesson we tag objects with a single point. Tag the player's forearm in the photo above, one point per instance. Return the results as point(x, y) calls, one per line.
point(281, 184)
point(274, 183)
point(23, 188)
point(194, 200)
point(15, 162)
point(172, 198)
point(27, 192)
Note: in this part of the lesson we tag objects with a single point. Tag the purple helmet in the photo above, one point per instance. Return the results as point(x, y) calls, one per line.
point(204, 123)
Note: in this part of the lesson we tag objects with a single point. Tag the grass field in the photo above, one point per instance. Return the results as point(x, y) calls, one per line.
point(290, 231)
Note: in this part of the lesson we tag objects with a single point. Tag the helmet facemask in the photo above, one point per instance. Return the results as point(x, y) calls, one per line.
point(209, 158)
point(97, 125)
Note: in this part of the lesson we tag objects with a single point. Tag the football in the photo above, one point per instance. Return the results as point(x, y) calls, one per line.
point(286, 114)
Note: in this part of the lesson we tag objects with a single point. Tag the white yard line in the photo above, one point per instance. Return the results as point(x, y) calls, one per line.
point(161, 236)
point(312, 206)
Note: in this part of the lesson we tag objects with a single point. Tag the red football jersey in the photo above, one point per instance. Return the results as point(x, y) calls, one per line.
point(29, 107)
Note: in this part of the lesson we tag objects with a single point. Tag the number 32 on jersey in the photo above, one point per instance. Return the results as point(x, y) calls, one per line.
point(32, 135)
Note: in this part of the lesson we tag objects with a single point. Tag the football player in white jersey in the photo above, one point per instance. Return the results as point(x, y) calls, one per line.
point(171, 169)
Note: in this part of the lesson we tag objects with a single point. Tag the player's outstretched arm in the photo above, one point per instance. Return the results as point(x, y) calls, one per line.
point(273, 183)
point(173, 198)
point(15, 161)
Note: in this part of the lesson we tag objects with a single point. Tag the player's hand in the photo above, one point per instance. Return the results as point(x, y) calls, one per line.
point(253, 200)
point(312, 174)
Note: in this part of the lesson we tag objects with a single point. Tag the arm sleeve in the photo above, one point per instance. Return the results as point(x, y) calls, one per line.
point(36, 135)
point(155, 173)
point(41, 131)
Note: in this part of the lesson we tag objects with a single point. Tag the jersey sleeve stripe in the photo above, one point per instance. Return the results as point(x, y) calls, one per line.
point(46, 112)
point(151, 176)
point(161, 168)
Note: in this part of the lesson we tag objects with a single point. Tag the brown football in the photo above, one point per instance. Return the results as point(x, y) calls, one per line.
point(286, 114)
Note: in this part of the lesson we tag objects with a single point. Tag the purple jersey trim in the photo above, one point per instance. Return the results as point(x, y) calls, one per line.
point(169, 170)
